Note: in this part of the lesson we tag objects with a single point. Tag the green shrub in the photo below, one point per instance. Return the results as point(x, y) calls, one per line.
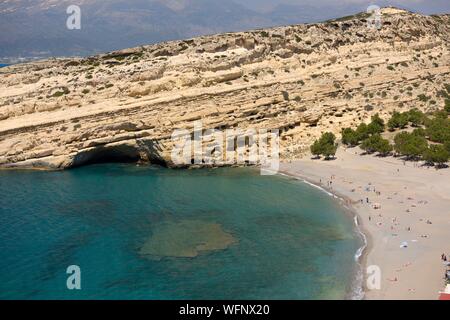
point(64, 91)
point(447, 87)
point(58, 94)
point(398, 120)
point(316, 148)
point(436, 154)
point(376, 143)
point(447, 146)
point(325, 146)
point(419, 132)
point(447, 106)
point(370, 144)
point(416, 117)
point(376, 125)
point(362, 131)
point(423, 97)
point(441, 114)
point(438, 130)
point(410, 145)
point(350, 137)
point(384, 147)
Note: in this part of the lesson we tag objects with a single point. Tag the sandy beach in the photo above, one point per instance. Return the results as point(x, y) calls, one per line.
point(414, 210)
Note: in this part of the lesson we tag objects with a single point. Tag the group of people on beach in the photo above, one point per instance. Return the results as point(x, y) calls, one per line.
point(329, 182)
point(446, 262)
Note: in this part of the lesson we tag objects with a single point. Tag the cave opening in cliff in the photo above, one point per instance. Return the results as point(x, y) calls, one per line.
point(119, 154)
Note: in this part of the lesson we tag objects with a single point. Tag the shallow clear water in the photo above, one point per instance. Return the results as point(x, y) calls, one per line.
point(285, 239)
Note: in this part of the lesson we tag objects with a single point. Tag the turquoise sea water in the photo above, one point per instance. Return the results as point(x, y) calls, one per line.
point(291, 241)
point(3, 65)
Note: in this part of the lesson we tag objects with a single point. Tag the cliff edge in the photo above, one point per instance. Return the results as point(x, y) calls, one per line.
point(302, 80)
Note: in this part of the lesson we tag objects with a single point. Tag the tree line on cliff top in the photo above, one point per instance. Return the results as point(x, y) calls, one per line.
point(428, 141)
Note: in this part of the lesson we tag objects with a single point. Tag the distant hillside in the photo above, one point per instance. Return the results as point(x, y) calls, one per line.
point(37, 28)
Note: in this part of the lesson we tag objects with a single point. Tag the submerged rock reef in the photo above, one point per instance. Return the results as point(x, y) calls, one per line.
point(301, 80)
point(186, 239)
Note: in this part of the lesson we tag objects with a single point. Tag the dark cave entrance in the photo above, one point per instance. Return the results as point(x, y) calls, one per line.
point(119, 154)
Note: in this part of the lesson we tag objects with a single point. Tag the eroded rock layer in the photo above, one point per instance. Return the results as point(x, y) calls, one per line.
point(302, 80)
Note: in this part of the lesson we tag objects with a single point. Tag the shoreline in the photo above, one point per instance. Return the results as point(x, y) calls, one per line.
point(395, 203)
point(408, 272)
point(357, 290)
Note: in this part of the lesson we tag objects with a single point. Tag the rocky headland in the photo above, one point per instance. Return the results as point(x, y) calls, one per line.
point(302, 80)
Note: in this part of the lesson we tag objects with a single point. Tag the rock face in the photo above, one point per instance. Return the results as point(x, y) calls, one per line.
point(302, 80)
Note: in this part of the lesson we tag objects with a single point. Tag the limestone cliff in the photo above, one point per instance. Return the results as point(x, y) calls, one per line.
point(302, 80)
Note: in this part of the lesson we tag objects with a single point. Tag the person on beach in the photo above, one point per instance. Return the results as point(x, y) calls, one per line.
point(393, 280)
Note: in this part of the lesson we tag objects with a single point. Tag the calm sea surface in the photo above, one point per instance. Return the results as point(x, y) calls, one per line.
point(154, 233)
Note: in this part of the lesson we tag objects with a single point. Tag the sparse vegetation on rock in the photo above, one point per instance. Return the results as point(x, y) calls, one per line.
point(413, 145)
point(303, 80)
